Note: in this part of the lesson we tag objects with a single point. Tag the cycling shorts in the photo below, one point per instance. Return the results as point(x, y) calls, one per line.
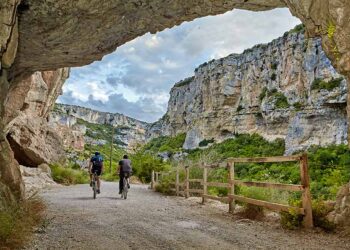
point(96, 170)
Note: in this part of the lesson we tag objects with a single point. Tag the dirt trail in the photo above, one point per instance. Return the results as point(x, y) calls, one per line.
point(148, 220)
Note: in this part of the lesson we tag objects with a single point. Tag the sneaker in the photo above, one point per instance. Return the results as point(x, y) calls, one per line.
point(98, 191)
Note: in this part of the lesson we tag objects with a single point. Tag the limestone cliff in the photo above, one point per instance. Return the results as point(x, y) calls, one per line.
point(128, 134)
point(284, 89)
point(26, 111)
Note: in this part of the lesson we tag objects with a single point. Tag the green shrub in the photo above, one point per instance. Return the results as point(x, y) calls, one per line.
point(273, 76)
point(328, 85)
point(297, 29)
point(319, 212)
point(165, 144)
point(18, 220)
point(184, 82)
point(239, 108)
point(281, 101)
point(68, 176)
point(164, 185)
point(293, 220)
point(274, 65)
point(263, 93)
point(205, 142)
point(298, 106)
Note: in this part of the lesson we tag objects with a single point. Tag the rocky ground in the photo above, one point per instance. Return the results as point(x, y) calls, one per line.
point(149, 220)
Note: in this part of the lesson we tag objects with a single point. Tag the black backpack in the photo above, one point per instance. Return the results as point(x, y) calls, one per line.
point(97, 161)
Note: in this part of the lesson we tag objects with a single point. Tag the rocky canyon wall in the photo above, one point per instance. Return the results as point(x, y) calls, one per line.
point(128, 132)
point(52, 34)
point(284, 89)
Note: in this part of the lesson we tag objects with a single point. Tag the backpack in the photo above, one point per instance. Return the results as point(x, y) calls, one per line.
point(97, 161)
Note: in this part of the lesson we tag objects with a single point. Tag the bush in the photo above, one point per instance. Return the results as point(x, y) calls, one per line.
point(164, 185)
point(322, 84)
point(18, 219)
point(263, 93)
point(274, 65)
point(298, 28)
point(273, 76)
point(165, 143)
point(184, 82)
point(205, 142)
point(293, 220)
point(319, 212)
point(281, 101)
point(68, 176)
point(297, 106)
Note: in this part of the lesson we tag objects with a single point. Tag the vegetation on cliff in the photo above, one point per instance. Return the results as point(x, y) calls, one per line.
point(18, 220)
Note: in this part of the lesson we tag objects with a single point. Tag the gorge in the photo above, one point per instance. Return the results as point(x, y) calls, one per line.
point(38, 39)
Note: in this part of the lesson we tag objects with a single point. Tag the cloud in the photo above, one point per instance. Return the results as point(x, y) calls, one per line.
point(136, 79)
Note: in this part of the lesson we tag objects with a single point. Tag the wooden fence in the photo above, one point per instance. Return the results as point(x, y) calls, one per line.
point(231, 198)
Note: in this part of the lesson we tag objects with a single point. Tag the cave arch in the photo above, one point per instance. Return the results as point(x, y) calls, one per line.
point(52, 34)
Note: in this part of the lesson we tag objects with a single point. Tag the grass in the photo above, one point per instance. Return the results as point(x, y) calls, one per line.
point(68, 176)
point(18, 220)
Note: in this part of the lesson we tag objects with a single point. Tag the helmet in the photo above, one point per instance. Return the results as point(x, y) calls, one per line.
point(97, 153)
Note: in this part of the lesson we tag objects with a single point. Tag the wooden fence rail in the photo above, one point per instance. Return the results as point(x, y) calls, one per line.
point(232, 182)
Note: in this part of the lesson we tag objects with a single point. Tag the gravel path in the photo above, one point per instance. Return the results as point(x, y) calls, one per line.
point(149, 220)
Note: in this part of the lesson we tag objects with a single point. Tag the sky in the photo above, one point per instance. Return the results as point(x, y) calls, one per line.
point(136, 79)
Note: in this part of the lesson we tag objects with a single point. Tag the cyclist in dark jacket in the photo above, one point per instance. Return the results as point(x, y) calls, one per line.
point(96, 166)
point(125, 169)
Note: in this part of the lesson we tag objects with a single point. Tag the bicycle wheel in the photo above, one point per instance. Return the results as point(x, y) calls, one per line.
point(94, 187)
point(125, 188)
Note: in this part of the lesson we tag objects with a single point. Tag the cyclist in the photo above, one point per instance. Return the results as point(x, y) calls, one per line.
point(124, 170)
point(96, 166)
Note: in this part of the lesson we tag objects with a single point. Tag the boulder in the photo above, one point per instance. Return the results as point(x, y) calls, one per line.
point(341, 213)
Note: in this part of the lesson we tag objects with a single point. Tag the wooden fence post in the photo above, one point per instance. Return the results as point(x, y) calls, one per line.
point(152, 180)
point(306, 195)
point(187, 182)
point(231, 189)
point(177, 181)
point(205, 187)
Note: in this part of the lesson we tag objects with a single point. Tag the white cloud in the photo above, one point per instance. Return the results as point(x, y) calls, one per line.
point(136, 79)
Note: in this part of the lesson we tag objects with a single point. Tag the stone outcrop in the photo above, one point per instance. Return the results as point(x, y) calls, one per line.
point(272, 89)
point(26, 110)
point(54, 34)
point(341, 213)
point(66, 126)
point(36, 179)
point(129, 132)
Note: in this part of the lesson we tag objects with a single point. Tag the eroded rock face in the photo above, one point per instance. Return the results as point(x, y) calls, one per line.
point(54, 34)
point(272, 89)
point(26, 111)
point(68, 129)
point(129, 132)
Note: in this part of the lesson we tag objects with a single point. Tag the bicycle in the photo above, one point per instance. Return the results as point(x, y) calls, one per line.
point(94, 184)
point(125, 187)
